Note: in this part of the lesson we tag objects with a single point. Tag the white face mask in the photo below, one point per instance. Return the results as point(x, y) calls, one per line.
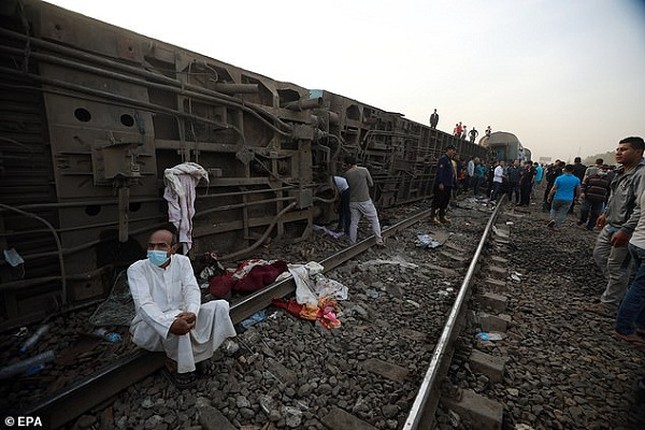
point(158, 258)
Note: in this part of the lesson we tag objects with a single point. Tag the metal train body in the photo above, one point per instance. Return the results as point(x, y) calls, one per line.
point(92, 114)
point(506, 146)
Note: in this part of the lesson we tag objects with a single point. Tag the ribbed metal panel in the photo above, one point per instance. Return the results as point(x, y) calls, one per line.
point(25, 173)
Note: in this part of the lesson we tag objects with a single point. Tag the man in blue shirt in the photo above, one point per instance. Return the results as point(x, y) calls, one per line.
point(539, 173)
point(565, 190)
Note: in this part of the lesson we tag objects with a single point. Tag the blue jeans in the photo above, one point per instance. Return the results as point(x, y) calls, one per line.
point(559, 209)
point(632, 310)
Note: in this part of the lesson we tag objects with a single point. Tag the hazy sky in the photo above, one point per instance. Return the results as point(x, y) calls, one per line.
point(566, 76)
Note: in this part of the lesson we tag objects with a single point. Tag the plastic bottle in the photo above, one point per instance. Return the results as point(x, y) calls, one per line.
point(34, 338)
point(25, 365)
point(110, 336)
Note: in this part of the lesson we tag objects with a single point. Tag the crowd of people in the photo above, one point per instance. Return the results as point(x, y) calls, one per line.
point(610, 199)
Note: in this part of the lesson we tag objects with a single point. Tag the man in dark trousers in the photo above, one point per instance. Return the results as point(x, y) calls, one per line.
point(579, 170)
point(434, 119)
point(444, 182)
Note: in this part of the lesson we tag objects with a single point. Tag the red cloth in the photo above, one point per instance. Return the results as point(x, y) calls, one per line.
point(260, 276)
point(220, 286)
point(290, 306)
point(257, 278)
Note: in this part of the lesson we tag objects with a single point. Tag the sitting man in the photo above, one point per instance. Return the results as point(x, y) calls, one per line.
point(169, 314)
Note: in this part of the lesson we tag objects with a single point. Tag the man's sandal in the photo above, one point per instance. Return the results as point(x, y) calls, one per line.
point(180, 380)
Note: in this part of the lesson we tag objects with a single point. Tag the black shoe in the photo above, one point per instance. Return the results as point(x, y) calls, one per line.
point(579, 222)
point(202, 368)
point(180, 380)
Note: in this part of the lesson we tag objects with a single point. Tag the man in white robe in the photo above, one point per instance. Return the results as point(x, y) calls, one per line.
point(169, 314)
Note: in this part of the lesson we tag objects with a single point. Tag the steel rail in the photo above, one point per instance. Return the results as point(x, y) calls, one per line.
point(422, 412)
point(74, 400)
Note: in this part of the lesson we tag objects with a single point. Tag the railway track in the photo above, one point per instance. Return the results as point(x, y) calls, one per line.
point(65, 405)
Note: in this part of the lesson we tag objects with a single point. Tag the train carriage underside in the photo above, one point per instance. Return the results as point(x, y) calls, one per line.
point(92, 116)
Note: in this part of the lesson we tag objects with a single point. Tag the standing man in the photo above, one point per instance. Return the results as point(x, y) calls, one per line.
point(551, 174)
point(618, 223)
point(498, 180)
point(480, 176)
point(592, 170)
point(344, 214)
point(631, 314)
point(473, 135)
point(594, 194)
point(169, 314)
point(360, 203)
point(434, 119)
point(564, 192)
point(513, 176)
point(526, 183)
point(470, 173)
point(539, 173)
point(458, 129)
point(579, 170)
point(445, 180)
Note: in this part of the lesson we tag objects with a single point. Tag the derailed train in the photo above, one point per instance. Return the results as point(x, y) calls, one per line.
point(505, 146)
point(92, 114)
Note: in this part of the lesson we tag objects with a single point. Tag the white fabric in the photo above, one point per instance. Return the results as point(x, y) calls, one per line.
point(498, 175)
point(305, 287)
point(312, 285)
point(471, 168)
point(180, 182)
point(341, 183)
point(159, 295)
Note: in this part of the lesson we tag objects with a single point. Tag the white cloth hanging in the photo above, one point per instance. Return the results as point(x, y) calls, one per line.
point(180, 182)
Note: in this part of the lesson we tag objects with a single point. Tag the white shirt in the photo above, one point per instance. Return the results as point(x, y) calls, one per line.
point(160, 294)
point(341, 183)
point(471, 168)
point(498, 175)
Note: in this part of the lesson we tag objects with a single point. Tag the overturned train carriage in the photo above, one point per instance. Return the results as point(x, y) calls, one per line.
point(92, 115)
point(506, 146)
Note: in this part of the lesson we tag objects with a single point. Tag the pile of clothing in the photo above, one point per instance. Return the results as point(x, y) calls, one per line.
point(250, 276)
